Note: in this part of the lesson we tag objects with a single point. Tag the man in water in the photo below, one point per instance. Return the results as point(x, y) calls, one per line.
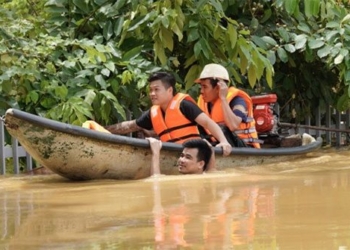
point(197, 157)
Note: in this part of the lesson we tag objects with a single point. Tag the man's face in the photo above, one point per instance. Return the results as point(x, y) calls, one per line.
point(188, 162)
point(209, 93)
point(159, 94)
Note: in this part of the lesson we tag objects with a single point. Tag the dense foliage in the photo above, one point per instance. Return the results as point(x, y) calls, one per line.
point(73, 60)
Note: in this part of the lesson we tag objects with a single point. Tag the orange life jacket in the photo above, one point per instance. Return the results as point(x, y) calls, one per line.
point(246, 130)
point(174, 127)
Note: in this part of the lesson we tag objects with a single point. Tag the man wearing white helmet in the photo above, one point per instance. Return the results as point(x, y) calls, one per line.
point(230, 107)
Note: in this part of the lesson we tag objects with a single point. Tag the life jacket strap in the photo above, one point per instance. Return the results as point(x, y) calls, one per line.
point(253, 140)
point(246, 131)
point(177, 127)
point(185, 137)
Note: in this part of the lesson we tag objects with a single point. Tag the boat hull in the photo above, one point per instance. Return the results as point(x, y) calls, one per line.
point(77, 153)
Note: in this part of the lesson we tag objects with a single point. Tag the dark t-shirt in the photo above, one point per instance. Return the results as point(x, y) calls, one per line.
point(190, 110)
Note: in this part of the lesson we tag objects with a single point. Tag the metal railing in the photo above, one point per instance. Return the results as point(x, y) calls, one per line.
point(12, 151)
point(333, 126)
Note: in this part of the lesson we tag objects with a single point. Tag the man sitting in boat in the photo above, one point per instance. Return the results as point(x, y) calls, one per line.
point(197, 157)
point(174, 117)
point(232, 108)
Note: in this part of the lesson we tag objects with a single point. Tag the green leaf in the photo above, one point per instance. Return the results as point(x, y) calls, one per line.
point(100, 2)
point(291, 6)
point(119, 109)
point(315, 44)
point(138, 21)
point(332, 24)
point(325, 51)
point(101, 81)
point(205, 47)
point(6, 58)
point(61, 92)
point(90, 96)
point(118, 4)
point(132, 54)
point(118, 26)
point(110, 65)
point(192, 35)
point(269, 73)
point(304, 27)
point(167, 38)
point(217, 5)
point(266, 16)
point(108, 30)
point(343, 102)
point(289, 47)
point(105, 72)
point(160, 53)
point(345, 19)
point(232, 33)
point(254, 24)
point(344, 52)
point(282, 54)
point(259, 42)
point(271, 56)
point(330, 34)
point(269, 40)
point(82, 5)
point(283, 34)
point(109, 95)
point(347, 76)
point(34, 96)
point(300, 41)
point(338, 59)
point(311, 7)
point(197, 49)
point(175, 28)
point(84, 73)
point(115, 102)
point(252, 76)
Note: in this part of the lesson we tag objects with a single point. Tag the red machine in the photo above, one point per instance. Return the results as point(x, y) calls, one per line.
point(265, 119)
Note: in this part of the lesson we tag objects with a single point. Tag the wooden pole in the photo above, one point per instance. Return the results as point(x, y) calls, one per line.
point(283, 124)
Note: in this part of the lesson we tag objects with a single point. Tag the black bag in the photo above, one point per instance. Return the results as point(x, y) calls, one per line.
point(232, 138)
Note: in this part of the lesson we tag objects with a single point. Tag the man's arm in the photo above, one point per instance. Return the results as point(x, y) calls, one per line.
point(123, 127)
point(232, 121)
point(155, 145)
point(212, 162)
point(216, 131)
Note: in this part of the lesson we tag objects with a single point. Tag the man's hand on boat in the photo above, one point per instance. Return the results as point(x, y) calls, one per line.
point(226, 148)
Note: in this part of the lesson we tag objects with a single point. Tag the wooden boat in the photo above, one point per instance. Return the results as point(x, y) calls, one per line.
point(81, 154)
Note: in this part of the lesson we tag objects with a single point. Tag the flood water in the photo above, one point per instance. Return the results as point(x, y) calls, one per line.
point(301, 204)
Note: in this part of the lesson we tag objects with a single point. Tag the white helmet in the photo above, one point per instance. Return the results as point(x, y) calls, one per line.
point(213, 70)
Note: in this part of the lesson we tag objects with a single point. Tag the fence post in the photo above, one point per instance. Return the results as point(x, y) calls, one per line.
point(14, 151)
point(2, 148)
point(337, 125)
point(308, 122)
point(318, 121)
point(15, 155)
point(328, 124)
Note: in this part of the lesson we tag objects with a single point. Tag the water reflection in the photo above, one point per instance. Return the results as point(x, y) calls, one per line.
point(297, 205)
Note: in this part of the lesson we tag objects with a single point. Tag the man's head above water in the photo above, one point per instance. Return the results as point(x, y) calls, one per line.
point(195, 157)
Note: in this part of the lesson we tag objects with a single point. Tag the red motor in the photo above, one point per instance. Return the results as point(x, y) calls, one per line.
point(265, 120)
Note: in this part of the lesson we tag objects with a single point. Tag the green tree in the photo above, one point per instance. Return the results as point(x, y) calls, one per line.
point(307, 41)
point(73, 60)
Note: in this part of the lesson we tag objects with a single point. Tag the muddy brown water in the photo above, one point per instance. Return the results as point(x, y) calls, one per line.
point(300, 204)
